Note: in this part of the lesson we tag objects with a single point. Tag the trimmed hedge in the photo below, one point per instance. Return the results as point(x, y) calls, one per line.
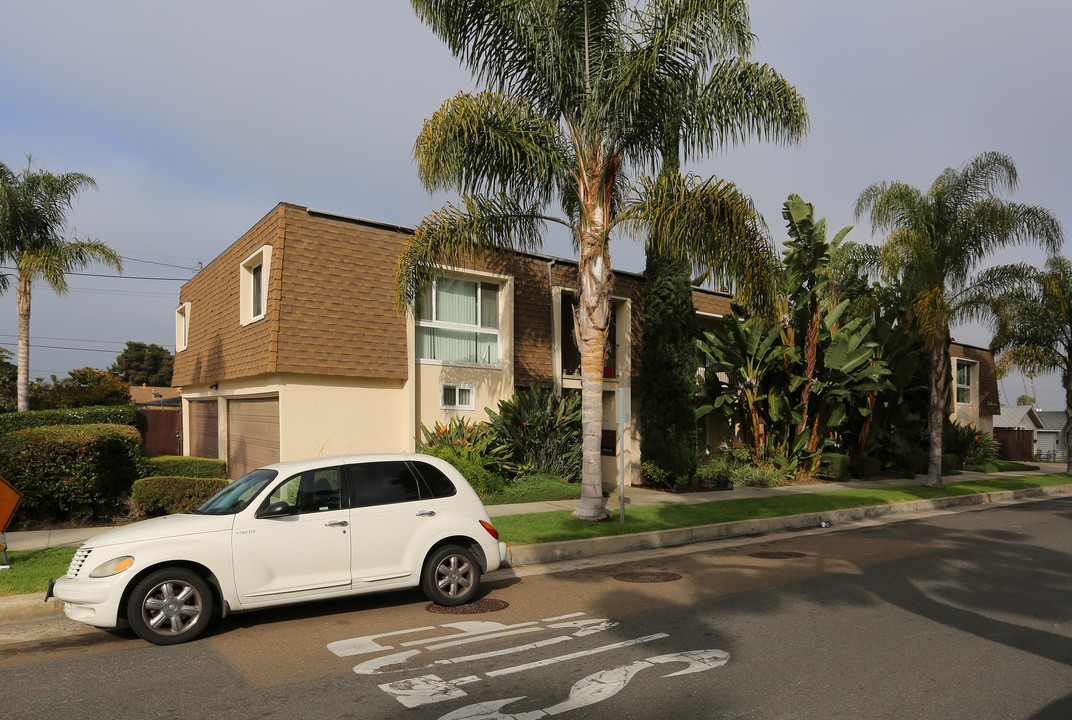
point(865, 466)
point(188, 467)
point(166, 495)
point(96, 415)
point(835, 466)
point(70, 472)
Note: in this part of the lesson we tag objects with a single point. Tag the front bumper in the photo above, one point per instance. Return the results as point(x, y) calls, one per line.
point(93, 601)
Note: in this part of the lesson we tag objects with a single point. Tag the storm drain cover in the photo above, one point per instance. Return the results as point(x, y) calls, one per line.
point(776, 555)
point(647, 577)
point(474, 608)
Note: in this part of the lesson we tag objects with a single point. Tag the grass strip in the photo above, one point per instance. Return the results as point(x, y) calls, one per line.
point(31, 570)
point(559, 525)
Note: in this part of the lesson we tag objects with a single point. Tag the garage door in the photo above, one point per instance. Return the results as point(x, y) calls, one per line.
point(204, 428)
point(252, 434)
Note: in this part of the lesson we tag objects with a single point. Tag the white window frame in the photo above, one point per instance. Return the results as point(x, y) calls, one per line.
point(431, 322)
point(182, 326)
point(958, 386)
point(260, 258)
point(456, 388)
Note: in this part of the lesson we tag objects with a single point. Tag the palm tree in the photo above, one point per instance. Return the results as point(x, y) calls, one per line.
point(1034, 329)
point(579, 95)
point(33, 214)
point(936, 241)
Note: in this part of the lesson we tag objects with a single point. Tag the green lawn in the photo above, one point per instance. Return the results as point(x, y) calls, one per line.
point(558, 525)
point(31, 570)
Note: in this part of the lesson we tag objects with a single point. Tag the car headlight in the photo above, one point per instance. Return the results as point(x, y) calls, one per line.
point(112, 567)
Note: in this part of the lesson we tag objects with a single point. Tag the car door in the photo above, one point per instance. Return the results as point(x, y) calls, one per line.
point(392, 522)
point(304, 550)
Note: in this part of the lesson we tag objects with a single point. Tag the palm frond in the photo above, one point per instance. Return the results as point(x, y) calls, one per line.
point(713, 225)
point(489, 142)
point(484, 225)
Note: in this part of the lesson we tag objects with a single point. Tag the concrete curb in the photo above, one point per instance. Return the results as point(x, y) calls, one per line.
point(574, 549)
point(18, 609)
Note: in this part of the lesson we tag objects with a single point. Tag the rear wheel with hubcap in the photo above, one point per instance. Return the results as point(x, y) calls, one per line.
point(451, 576)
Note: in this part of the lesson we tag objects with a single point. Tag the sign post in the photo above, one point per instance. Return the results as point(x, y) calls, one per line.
point(9, 501)
point(623, 403)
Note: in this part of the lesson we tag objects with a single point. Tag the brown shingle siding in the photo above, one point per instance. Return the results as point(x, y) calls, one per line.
point(219, 347)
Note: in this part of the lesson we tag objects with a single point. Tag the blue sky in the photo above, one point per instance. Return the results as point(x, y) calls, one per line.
point(196, 118)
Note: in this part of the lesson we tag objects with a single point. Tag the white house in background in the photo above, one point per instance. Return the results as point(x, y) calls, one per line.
point(1051, 442)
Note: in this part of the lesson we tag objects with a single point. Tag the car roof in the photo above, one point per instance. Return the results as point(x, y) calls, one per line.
point(292, 466)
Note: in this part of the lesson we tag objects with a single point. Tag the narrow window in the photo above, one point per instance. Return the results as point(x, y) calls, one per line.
point(257, 300)
point(964, 382)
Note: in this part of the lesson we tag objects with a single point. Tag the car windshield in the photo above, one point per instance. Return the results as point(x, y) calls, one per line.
point(238, 494)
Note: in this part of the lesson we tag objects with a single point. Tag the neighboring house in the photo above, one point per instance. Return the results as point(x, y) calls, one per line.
point(975, 398)
point(288, 344)
point(145, 396)
point(1016, 428)
point(1052, 444)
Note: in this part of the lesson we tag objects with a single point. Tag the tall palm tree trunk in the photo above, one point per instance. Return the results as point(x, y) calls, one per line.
point(939, 386)
point(591, 321)
point(1067, 430)
point(22, 379)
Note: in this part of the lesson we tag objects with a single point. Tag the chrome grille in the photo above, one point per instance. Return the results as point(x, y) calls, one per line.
point(77, 560)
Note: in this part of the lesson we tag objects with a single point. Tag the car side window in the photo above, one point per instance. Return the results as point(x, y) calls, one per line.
point(381, 483)
point(440, 485)
point(311, 491)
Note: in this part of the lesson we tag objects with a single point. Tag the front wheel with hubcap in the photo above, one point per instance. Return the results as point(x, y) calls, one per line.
point(170, 606)
point(451, 576)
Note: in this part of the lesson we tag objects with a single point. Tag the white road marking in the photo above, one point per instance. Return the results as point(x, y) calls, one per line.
point(426, 689)
point(505, 651)
point(574, 656)
point(594, 688)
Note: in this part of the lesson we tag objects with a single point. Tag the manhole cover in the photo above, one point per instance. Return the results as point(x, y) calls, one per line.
point(473, 608)
point(647, 577)
point(776, 555)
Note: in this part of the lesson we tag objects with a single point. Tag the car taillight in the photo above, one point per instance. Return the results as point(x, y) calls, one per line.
point(491, 529)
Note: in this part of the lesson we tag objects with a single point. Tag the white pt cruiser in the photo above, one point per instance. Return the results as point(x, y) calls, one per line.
point(294, 531)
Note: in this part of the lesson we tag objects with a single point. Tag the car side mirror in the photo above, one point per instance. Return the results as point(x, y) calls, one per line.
point(276, 509)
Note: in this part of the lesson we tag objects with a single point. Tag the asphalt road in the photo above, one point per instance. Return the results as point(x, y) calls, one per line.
point(962, 615)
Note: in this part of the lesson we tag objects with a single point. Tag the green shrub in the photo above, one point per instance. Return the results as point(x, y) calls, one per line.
point(101, 414)
point(834, 466)
point(485, 482)
point(950, 462)
point(973, 447)
point(765, 476)
point(535, 488)
point(164, 495)
point(475, 441)
point(540, 432)
point(182, 466)
point(70, 472)
point(651, 475)
point(865, 466)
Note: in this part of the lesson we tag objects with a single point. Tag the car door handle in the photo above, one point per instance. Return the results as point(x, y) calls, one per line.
point(426, 513)
point(336, 523)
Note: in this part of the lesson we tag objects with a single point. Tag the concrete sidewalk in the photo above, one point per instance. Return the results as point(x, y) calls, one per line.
point(29, 609)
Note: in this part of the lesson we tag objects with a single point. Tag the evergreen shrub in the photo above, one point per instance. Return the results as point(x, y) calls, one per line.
point(70, 472)
point(98, 414)
point(164, 495)
point(484, 481)
point(189, 467)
